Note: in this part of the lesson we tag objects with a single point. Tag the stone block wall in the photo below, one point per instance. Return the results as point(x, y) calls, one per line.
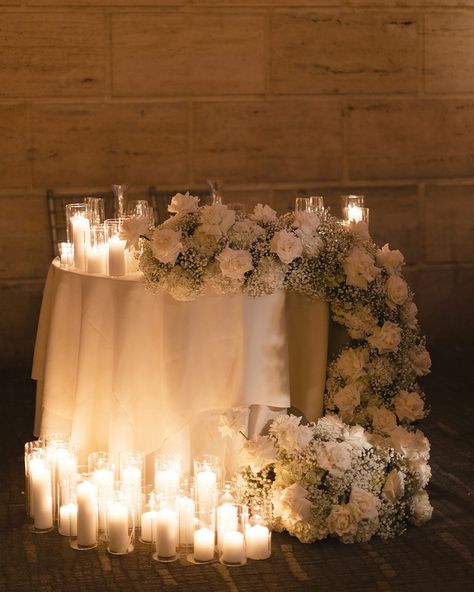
point(278, 98)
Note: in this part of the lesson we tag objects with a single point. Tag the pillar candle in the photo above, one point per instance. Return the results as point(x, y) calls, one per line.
point(354, 213)
point(206, 488)
point(257, 542)
point(166, 482)
point(132, 477)
point(96, 260)
point(86, 514)
point(148, 526)
point(33, 464)
point(117, 528)
point(42, 497)
point(186, 520)
point(68, 520)
point(81, 240)
point(203, 544)
point(166, 533)
point(233, 547)
point(116, 256)
point(226, 521)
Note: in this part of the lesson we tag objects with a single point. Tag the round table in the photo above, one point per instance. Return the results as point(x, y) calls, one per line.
point(121, 367)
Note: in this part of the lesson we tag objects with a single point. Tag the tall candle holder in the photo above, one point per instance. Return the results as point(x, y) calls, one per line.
point(96, 210)
point(63, 460)
point(167, 474)
point(29, 448)
point(86, 534)
point(120, 199)
point(78, 232)
point(204, 529)
point(167, 528)
point(258, 534)
point(215, 187)
point(40, 491)
point(101, 467)
point(207, 477)
point(186, 509)
point(120, 522)
point(150, 507)
point(116, 256)
point(231, 526)
point(97, 254)
point(67, 496)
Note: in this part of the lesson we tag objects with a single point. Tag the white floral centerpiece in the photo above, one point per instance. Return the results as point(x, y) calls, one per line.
point(372, 383)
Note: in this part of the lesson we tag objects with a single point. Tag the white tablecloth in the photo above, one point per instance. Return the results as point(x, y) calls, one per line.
point(123, 368)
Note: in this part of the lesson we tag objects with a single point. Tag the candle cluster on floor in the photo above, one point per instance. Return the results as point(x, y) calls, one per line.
point(108, 501)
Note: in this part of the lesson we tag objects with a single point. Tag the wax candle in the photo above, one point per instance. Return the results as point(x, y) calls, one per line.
point(68, 520)
point(117, 527)
point(86, 514)
point(233, 547)
point(66, 254)
point(166, 482)
point(81, 240)
point(33, 463)
point(257, 540)
point(42, 497)
point(166, 533)
point(116, 256)
point(132, 477)
point(186, 520)
point(203, 544)
point(206, 488)
point(148, 526)
point(96, 259)
point(354, 213)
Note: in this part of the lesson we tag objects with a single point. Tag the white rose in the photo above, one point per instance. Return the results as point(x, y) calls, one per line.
point(356, 437)
point(258, 453)
point(422, 470)
point(359, 268)
point(286, 245)
point(366, 502)
point(306, 222)
point(397, 290)
point(166, 245)
point(412, 445)
point(132, 228)
point(334, 457)
point(292, 436)
point(383, 420)
point(347, 399)
point(183, 204)
point(351, 363)
point(420, 360)
point(344, 520)
point(408, 314)
point(234, 263)
point(264, 213)
point(291, 504)
point(409, 406)
point(394, 487)
point(391, 260)
point(421, 508)
point(216, 219)
point(386, 338)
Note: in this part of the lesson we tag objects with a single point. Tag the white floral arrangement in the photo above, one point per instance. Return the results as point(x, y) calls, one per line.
point(372, 383)
point(331, 479)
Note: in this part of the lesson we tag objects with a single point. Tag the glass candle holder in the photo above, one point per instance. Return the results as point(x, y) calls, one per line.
point(167, 474)
point(120, 522)
point(231, 528)
point(203, 537)
point(166, 531)
point(63, 460)
point(351, 200)
point(96, 210)
point(141, 208)
point(40, 491)
point(116, 256)
point(215, 186)
point(150, 507)
point(78, 232)
point(356, 214)
point(97, 254)
point(67, 516)
point(66, 254)
point(86, 534)
point(258, 535)
point(101, 467)
point(207, 477)
point(120, 199)
point(315, 204)
point(185, 505)
point(301, 204)
point(29, 448)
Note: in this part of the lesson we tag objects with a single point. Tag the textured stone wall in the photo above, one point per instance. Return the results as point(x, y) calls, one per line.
point(276, 97)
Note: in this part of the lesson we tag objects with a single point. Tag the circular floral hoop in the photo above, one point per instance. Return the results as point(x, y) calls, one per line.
point(362, 469)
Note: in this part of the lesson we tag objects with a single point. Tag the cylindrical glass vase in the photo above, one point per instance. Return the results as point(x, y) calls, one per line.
point(167, 531)
point(102, 469)
point(116, 248)
point(120, 523)
point(258, 535)
point(167, 474)
point(30, 447)
point(149, 512)
point(207, 477)
point(231, 528)
point(41, 499)
point(78, 229)
point(86, 534)
point(204, 537)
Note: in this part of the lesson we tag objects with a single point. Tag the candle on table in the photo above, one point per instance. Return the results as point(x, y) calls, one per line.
point(354, 213)
point(233, 547)
point(96, 259)
point(86, 514)
point(257, 539)
point(166, 533)
point(81, 240)
point(116, 256)
point(148, 526)
point(68, 520)
point(186, 520)
point(132, 477)
point(203, 544)
point(117, 528)
point(226, 521)
point(42, 497)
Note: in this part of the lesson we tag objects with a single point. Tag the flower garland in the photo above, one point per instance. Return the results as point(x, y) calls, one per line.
point(373, 381)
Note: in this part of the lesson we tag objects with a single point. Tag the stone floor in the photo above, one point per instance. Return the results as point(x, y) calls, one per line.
point(438, 556)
